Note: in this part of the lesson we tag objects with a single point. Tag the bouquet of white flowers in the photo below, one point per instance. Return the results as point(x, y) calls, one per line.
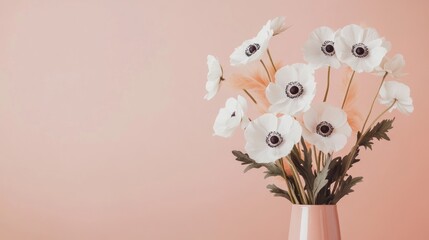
point(295, 138)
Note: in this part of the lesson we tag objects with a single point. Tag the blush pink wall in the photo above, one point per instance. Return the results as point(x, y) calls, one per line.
point(104, 133)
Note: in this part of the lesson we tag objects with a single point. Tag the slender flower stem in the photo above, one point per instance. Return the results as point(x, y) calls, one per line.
point(356, 146)
point(336, 185)
point(323, 160)
point(298, 181)
point(327, 84)
point(381, 114)
point(316, 159)
point(293, 194)
point(298, 200)
point(293, 198)
point(271, 60)
point(373, 101)
point(348, 88)
point(266, 69)
point(298, 146)
point(250, 96)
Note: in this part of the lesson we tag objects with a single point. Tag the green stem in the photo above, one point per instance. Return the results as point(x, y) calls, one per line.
point(379, 116)
point(271, 60)
point(298, 146)
point(320, 160)
point(292, 195)
point(356, 146)
point(316, 159)
point(327, 84)
point(323, 160)
point(373, 101)
point(266, 70)
point(347, 91)
point(250, 96)
point(298, 181)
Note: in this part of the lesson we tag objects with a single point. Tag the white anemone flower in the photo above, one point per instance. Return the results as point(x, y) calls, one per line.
point(326, 127)
point(230, 117)
point(214, 77)
point(392, 66)
point(269, 138)
point(252, 49)
point(293, 90)
point(360, 48)
point(278, 25)
point(319, 49)
point(398, 94)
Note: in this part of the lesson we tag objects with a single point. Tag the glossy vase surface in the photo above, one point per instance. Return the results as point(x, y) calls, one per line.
point(314, 222)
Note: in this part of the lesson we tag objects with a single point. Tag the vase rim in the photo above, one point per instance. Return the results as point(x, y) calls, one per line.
point(314, 205)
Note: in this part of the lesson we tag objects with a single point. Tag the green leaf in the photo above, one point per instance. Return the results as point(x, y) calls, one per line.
point(278, 192)
point(346, 188)
point(304, 166)
point(379, 131)
point(321, 178)
point(272, 170)
point(335, 167)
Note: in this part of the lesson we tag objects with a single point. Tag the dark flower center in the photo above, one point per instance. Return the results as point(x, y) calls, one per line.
point(274, 139)
point(233, 114)
point(328, 48)
point(324, 129)
point(251, 49)
point(294, 90)
point(360, 50)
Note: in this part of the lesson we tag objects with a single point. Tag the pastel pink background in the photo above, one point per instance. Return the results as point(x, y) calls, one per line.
point(104, 133)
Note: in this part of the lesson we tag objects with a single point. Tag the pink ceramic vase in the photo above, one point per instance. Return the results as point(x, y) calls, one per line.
point(314, 222)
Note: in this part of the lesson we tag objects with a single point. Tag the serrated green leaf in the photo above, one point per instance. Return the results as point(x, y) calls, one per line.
point(304, 166)
point(346, 188)
point(272, 169)
point(379, 131)
point(274, 172)
point(278, 192)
